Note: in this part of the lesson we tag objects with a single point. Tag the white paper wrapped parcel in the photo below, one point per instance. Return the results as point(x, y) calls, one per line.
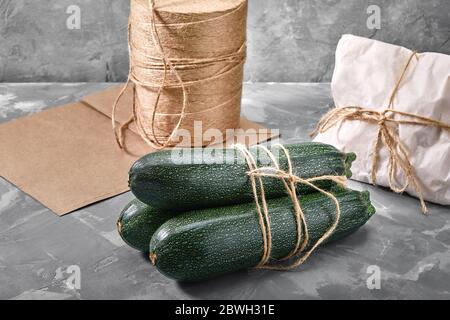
point(365, 74)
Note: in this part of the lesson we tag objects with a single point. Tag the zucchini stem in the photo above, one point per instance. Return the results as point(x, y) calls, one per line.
point(349, 159)
point(119, 226)
point(153, 258)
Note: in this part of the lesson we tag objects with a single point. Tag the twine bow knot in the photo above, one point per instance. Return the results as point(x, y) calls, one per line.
point(384, 118)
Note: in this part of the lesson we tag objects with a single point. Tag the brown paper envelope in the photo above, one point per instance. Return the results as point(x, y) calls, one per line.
point(67, 158)
point(104, 100)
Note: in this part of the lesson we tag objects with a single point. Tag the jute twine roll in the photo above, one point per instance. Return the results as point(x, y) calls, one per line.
point(186, 64)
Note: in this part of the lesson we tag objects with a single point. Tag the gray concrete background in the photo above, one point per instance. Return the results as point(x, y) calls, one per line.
point(289, 40)
point(37, 248)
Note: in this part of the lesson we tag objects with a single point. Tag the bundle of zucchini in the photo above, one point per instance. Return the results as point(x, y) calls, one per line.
point(197, 219)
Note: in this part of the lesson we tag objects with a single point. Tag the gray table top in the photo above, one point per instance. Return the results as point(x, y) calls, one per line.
point(411, 251)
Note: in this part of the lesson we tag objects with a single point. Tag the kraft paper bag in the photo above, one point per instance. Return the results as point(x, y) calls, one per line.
point(365, 74)
point(67, 158)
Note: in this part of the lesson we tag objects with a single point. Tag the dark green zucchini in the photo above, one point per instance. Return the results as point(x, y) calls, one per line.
point(160, 180)
point(138, 222)
point(206, 243)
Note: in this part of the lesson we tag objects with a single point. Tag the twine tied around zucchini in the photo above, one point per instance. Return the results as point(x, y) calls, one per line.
point(166, 64)
point(387, 135)
point(290, 181)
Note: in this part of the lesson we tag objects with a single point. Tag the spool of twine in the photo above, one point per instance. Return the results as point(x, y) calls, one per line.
point(186, 64)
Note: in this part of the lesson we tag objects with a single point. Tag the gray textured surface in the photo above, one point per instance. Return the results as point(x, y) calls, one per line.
point(412, 251)
point(289, 40)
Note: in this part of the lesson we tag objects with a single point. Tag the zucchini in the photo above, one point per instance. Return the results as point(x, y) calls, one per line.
point(207, 243)
point(203, 182)
point(138, 222)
